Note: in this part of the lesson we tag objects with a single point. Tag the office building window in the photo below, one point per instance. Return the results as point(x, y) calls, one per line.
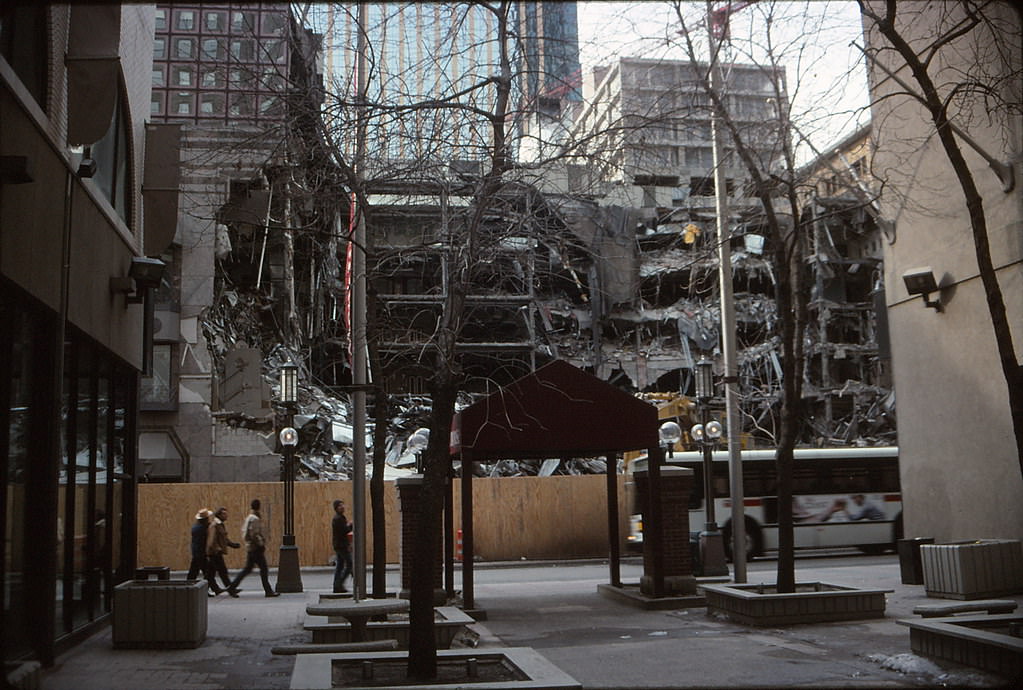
point(182, 104)
point(212, 78)
point(215, 21)
point(274, 23)
point(183, 76)
point(241, 104)
point(160, 48)
point(156, 104)
point(272, 51)
point(211, 104)
point(184, 48)
point(161, 19)
point(243, 22)
point(159, 76)
point(113, 162)
point(186, 20)
point(213, 49)
point(243, 49)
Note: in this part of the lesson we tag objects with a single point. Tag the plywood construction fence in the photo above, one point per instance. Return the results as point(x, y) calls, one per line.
point(515, 518)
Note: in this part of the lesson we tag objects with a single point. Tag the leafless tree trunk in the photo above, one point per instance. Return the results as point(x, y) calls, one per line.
point(776, 190)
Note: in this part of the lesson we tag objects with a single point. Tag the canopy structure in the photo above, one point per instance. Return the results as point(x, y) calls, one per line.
point(558, 411)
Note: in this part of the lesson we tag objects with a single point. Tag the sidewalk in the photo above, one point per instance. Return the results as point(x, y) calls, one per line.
point(556, 610)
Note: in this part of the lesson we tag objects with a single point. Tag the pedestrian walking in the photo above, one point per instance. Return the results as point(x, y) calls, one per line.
point(255, 550)
point(217, 543)
point(340, 529)
point(200, 531)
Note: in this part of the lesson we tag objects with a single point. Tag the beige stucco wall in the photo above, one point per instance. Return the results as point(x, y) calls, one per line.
point(961, 476)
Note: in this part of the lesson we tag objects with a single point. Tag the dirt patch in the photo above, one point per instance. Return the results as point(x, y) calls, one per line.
point(386, 674)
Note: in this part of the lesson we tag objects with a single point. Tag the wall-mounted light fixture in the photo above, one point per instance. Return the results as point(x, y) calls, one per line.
point(145, 273)
point(920, 281)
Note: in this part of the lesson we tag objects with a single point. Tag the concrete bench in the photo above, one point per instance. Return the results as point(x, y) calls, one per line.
point(358, 612)
point(952, 608)
point(337, 647)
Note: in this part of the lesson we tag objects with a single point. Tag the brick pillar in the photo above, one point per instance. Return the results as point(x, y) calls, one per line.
point(409, 489)
point(676, 486)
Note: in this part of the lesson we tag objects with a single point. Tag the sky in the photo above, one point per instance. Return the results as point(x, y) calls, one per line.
point(826, 78)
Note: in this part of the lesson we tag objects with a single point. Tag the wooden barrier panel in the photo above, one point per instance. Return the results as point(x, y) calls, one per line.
point(515, 517)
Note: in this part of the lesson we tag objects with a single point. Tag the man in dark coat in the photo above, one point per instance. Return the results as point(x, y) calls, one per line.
point(340, 529)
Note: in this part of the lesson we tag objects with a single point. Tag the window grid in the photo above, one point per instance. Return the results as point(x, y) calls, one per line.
point(219, 62)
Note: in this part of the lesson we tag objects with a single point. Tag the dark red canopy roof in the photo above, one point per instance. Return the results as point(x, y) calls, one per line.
point(557, 411)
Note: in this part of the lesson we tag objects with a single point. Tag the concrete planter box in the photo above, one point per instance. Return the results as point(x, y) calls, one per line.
point(981, 641)
point(972, 570)
point(450, 621)
point(162, 614)
point(530, 669)
point(812, 602)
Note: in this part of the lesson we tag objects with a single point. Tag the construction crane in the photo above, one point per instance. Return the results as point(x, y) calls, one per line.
point(719, 17)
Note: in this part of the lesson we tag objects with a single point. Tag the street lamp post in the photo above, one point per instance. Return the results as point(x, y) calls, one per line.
point(712, 549)
point(289, 576)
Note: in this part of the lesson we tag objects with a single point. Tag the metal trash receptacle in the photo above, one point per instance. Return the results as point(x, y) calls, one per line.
point(161, 572)
point(910, 568)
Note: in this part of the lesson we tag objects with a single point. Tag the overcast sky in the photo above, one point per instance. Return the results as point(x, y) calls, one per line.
point(827, 82)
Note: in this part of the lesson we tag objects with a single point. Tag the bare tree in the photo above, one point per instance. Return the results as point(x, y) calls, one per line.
point(767, 151)
point(986, 78)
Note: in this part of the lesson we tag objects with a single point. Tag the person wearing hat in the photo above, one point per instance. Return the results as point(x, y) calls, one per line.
point(255, 547)
point(340, 529)
point(200, 530)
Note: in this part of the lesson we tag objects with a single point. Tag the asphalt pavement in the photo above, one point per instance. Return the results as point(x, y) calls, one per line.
point(555, 608)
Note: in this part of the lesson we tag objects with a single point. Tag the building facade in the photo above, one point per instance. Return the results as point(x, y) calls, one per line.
point(960, 468)
point(241, 81)
point(81, 175)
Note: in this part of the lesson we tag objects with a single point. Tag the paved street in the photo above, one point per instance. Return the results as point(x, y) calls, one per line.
point(556, 609)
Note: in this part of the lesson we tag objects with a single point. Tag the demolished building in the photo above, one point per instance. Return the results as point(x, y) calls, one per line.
point(615, 276)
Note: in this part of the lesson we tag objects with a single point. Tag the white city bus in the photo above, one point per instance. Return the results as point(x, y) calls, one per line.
point(841, 497)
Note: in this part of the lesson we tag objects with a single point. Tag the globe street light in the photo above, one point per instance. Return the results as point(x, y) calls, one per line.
point(706, 435)
point(289, 576)
point(670, 433)
point(416, 444)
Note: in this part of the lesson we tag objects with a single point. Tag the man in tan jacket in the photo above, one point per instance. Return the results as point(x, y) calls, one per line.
point(217, 544)
point(255, 545)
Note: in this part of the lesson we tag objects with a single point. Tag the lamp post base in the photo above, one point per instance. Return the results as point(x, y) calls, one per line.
point(712, 551)
point(289, 576)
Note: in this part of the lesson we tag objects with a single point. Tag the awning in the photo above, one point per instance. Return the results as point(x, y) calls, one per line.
point(162, 177)
point(93, 70)
point(159, 456)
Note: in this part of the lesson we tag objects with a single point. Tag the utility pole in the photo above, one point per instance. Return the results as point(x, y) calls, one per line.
point(358, 326)
point(728, 352)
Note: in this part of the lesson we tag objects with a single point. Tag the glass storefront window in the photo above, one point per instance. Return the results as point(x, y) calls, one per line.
point(17, 351)
point(65, 512)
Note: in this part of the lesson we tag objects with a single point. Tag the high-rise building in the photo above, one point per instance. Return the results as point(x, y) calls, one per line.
point(429, 52)
point(650, 124)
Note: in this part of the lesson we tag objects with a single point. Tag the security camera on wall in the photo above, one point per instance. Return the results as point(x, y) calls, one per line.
point(920, 281)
